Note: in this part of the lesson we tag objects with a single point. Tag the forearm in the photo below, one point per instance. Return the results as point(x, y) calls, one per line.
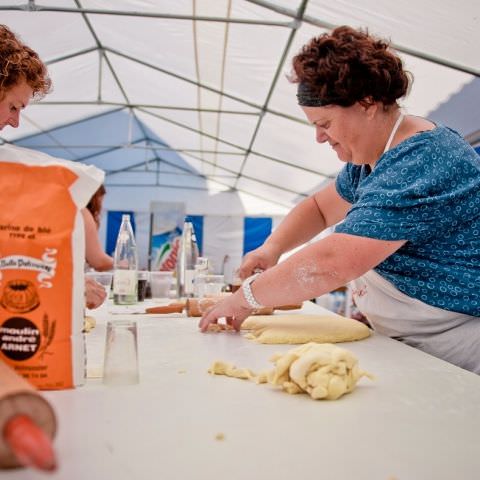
point(320, 268)
point(302, 276)
point(302, 224)
point(100, 262)
point(94, 253)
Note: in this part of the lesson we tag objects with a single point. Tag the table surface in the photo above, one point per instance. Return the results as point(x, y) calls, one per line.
point(418, 420)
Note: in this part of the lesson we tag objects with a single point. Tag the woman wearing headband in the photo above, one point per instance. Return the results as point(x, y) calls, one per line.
point(405, 209)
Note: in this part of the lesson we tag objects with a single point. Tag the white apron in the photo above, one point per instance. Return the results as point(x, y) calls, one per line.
point(452, 336)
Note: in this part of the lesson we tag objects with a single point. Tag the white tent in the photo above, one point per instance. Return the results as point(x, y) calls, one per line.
point(188, 100)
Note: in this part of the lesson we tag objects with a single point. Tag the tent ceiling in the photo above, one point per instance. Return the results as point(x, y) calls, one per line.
point(193, 94)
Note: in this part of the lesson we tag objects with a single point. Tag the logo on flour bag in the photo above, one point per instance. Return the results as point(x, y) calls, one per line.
point(21, 339)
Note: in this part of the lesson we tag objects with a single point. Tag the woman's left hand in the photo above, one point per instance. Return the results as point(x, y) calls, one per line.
point(95, 294)
point(233, 308)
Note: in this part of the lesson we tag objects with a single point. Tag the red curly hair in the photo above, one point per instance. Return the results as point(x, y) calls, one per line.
point(95, 204)
point(20, 63)
point(348, 66)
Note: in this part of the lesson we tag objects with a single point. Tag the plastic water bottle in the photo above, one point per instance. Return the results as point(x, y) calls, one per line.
point(186, 260)
point(125, 265)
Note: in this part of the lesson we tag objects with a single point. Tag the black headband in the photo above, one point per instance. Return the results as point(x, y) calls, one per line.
point(308, 97)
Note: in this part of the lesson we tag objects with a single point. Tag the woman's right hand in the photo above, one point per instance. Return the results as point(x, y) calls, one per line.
point(262, 258)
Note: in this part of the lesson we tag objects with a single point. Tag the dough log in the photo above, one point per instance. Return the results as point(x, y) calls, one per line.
point(300, 329)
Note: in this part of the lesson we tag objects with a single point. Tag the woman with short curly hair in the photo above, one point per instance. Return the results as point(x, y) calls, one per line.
point(405, 208)
point(22, 76)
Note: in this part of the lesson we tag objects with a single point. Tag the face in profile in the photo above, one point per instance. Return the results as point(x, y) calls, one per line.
point(345, 129)
point(12, 102)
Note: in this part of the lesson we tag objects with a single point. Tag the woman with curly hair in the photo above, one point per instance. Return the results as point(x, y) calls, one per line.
point(405, 208)
point(22, 76)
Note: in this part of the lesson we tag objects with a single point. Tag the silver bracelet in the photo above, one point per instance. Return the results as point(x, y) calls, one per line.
point(247, 292)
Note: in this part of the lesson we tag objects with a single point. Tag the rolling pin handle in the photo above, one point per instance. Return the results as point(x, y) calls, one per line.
point(29, 443)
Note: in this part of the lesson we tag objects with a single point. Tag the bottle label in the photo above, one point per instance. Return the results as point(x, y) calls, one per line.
point(124, 282)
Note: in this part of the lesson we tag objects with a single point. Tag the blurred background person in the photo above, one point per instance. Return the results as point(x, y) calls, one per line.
point(95, 256)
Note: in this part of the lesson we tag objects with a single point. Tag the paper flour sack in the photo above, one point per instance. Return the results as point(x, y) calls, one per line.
point(42, 257)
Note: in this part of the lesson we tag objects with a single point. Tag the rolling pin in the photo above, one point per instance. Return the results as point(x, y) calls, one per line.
point(27, 424)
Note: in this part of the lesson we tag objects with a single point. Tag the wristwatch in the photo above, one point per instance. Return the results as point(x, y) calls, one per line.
point(247, 292)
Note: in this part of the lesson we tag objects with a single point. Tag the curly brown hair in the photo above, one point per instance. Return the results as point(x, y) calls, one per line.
point(348, 66)
point(20, 63)
point(95, 204)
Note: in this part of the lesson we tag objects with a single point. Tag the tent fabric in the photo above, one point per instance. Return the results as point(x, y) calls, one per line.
point(189, 100)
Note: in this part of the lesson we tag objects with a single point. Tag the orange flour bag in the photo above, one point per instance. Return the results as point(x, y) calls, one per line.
point(42, 257)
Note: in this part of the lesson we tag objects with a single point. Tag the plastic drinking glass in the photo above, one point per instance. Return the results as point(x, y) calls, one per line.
point(160, 283)
point(209, 285)
point(120, 365)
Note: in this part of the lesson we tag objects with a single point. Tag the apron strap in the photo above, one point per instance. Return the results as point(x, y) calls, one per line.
point(393, 132)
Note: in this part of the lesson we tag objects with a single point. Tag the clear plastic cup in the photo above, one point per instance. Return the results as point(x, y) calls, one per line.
point(160, 283)
point(120, 366)
point(209, 285)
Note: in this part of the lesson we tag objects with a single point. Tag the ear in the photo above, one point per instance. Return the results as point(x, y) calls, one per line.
point(369, 106)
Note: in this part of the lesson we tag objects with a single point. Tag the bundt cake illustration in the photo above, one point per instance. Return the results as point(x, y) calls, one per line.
point(19, 296)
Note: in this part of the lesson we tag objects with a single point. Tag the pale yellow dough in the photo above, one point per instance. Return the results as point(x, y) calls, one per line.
point(324, 371)
point(296, 329)
point(223, 368)
point(88, 324)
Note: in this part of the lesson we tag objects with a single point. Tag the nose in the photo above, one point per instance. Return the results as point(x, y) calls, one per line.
point(320, 135)
point(14, 120)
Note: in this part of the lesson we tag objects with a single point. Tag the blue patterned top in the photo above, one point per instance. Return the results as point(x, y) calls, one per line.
point(425, 190)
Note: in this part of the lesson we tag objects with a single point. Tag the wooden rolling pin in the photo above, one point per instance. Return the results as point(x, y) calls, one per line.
point(197, 306)
point(176, 307)
point(27, 424)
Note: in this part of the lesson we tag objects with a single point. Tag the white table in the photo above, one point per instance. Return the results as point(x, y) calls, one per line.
point(419, 420)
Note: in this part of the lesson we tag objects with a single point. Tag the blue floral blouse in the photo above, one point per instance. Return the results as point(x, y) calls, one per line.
point(425, 190)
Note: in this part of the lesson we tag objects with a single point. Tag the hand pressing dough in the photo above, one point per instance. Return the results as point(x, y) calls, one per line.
point(219, 327)
point(295, 329)
point(324, 371)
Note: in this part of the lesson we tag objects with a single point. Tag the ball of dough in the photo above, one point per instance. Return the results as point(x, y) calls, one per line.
point(324, 371)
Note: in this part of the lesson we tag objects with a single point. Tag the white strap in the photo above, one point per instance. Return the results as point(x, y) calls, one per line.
point(393, 132)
